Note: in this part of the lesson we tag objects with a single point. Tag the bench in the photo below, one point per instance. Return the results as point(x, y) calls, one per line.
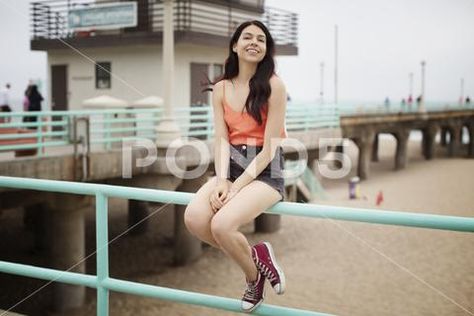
point(18, 141)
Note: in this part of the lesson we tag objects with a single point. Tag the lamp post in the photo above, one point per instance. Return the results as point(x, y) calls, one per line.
point(335, 64)
point(461, 98)
point(421, 105)
point(321, 84)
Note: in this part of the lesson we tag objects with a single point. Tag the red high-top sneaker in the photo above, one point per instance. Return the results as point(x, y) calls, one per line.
point(254, 294)
point(265, 261)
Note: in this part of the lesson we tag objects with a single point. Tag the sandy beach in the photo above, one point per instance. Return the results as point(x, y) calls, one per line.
point(334, 267)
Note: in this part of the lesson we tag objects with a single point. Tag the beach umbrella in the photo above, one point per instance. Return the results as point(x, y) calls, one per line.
point(151, 101)
point(104, 101)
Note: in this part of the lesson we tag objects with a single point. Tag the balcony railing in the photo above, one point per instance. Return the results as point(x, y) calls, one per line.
point(49, 19)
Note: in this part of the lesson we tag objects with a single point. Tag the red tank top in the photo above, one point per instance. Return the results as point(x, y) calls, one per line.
point(243, 128)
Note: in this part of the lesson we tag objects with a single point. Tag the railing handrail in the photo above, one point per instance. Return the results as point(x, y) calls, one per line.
point(82, 112)
point(421, 220)
point(194, 121)
point(103, 283)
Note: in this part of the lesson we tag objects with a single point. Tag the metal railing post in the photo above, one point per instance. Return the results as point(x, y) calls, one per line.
point(108, 125)
point(102, 259)
point(39, 134)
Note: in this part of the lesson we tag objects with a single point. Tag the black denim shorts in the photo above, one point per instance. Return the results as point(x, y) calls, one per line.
point(242, 155)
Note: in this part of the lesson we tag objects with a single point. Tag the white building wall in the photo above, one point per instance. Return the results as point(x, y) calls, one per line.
point(185, 54)
point(137, 71)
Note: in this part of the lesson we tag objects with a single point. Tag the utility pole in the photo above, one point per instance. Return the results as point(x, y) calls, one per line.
point(335, 64)
point(321, 84)
point(421, 107)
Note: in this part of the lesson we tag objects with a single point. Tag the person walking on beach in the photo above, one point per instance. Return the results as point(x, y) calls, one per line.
point(249, 104)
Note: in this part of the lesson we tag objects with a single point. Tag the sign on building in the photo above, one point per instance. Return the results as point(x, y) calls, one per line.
point(103, 16)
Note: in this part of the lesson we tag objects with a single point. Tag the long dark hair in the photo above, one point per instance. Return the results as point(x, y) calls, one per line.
point(260, 89)
point(34, 91)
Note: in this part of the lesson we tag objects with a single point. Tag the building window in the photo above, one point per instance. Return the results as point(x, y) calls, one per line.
point(102, 75)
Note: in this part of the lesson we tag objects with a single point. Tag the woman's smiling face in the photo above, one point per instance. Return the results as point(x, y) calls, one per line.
point(251, 45)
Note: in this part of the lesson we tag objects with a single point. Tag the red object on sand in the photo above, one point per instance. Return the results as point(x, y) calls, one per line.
point(379, 199)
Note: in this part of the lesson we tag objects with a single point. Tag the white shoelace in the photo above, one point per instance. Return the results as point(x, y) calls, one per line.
point(251, 291)
point(267, 272)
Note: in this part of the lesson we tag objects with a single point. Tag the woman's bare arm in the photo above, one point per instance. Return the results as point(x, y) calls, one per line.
point(221, 138)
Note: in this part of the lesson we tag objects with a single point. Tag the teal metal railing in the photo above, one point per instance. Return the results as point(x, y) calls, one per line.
point(33, 131)
point(104, 283)
point(45, 129)
point(363, 108)
point(106, 129)
point(306, 116)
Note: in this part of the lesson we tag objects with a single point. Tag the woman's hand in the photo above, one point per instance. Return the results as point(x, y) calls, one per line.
point(232, 192)
point(219, 194)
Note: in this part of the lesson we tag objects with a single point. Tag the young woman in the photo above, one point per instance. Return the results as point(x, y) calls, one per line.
point(249, 104)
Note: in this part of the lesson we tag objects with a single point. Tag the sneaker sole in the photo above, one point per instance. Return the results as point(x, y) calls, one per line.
point(255, 306)
point(279, 270)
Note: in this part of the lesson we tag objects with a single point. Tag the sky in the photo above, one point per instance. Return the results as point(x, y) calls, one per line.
point(380, 42)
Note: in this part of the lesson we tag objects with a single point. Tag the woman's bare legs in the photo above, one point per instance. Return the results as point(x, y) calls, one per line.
point(198, 214)
point(250, 202)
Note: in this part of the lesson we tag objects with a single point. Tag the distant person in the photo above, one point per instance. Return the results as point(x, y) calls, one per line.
point(35, 98)
point(468, 101)
point(410, 101)
point(5, 98)
point(418, 100)
point(5, 119)
point(403, 104)
point(386, 103)
point(26, 100)
point(5, 102)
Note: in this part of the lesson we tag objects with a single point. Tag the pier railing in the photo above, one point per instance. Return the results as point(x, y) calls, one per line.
point(29, 133)
point(364, 108)
point(104, 283)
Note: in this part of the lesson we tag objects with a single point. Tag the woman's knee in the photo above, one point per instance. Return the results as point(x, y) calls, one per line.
point(220, 227)
point(194, 221)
